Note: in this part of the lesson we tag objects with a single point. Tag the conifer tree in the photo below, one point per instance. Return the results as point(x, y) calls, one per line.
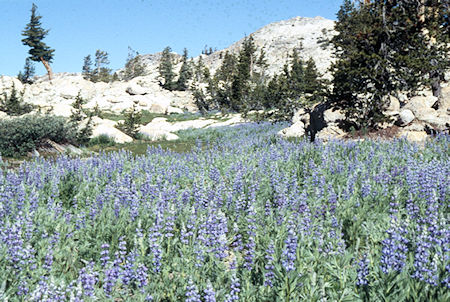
point(101, 72)
point(384, 47)
point(240, 89)
point(34, 34)
point(185, 72)
point(26, 77)
point(166, 69)
point(87, 68)
point(134, 66)
point(228, 68)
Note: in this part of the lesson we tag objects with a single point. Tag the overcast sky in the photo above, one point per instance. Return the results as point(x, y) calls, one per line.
point(79, 27)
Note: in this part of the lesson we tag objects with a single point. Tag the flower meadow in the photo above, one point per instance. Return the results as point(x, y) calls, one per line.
point(243, 216)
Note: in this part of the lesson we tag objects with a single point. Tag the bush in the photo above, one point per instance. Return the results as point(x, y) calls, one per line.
point(102, 140)
point(24, 134)
point(13, 104)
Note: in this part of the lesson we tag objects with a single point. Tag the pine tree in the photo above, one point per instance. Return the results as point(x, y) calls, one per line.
point(34, 34)
point(384, 47)
point(131, 124)
point(185, 72)
point(134, 66)
point(101, 73)
point(13, 103)
point(87, 68)
point(166, 69)
point(26, 77)
point(240, 88)
point(227, 69)
point(362, 75)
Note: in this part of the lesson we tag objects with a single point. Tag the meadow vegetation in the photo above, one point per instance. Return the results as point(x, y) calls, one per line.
point(242, 215)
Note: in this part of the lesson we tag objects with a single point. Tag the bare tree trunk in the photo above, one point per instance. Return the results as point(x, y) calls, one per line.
point(48, 68)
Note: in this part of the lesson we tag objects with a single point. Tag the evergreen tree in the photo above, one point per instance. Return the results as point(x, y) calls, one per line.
point(34, 34)
point(227, 69)
point(87, 68)
point(185, 72)
point(13, 103)
point(240, 88)
point(384, 47)
point(134, 66)
point(101, 73)
point(166, 69)
point(201, 71)
point(131, 124)
point(26, 77)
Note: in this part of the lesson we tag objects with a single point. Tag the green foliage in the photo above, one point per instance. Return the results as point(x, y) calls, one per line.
point(13, 103)
point(21, 135)
point(100, 71)
point(26, 77)
point(166, 69)
point(385, 47)
point(102, 140)
point(298, 86)
point(185, 72)
point(81, 120)
point(133, 120)
point(134, 67)
point(241, 82)
point(87, 68)
point(68, 187)
point(34, 34)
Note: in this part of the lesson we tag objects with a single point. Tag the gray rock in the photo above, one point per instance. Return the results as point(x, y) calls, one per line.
point(295, 130)
point(333, 116)
point(419, 104)
point(394, 106)
point(406, 116)
point(330, 132)
point(136, 90)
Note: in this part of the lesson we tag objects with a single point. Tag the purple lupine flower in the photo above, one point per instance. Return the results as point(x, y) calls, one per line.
point(393, 253)
point(363, 271)
point(122, 249)
point(192, 294)
point(269, 275)
point(250, 245)
point(209, 293)
point(111, 277)
point(127, 273)
point(88, 277)
point(235, 290)
point(48, 260)
point(104, 254)
point(141, 276)
point(155, 248)
point(425, 263)
point(289, 254)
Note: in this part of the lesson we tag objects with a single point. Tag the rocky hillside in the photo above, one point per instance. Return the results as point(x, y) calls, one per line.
point(279, 39)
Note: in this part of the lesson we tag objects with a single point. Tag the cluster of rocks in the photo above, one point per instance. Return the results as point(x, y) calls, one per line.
point(58, 95)
point(417, 118)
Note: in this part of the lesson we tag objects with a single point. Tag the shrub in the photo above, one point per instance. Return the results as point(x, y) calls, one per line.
point(24, 134)
point(102, 140)
point(13, 104)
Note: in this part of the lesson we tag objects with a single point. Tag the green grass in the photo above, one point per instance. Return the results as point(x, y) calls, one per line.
point(147, 116)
